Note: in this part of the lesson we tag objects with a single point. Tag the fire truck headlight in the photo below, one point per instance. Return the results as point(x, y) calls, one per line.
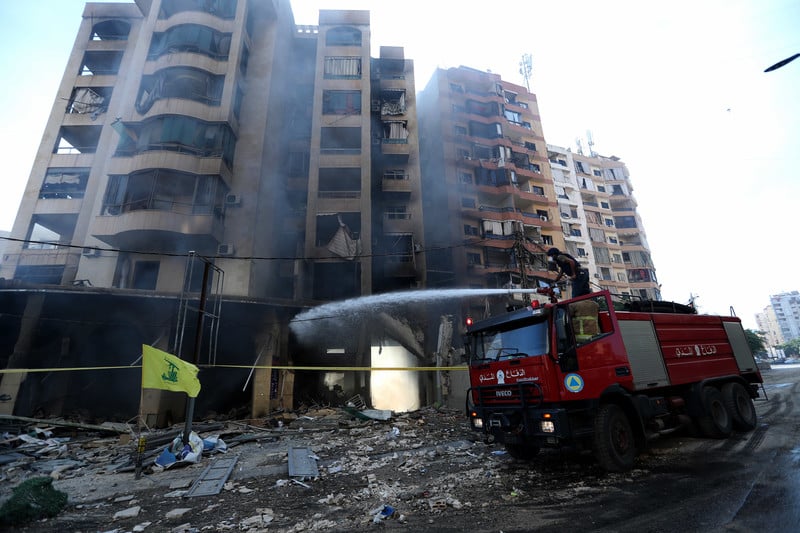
point(548, 426)
point(477, 423)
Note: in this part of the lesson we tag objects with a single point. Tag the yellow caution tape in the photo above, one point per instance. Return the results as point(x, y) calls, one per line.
point(259, 367)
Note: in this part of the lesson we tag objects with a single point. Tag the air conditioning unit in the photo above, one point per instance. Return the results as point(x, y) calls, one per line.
point(91, 252)
point(225, 249)
point(543, 218)
point(233, 200)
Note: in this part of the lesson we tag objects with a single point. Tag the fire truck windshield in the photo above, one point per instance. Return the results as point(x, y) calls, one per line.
point(499, 343)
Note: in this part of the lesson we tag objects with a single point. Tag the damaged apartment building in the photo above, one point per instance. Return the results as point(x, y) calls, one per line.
point(209, 170)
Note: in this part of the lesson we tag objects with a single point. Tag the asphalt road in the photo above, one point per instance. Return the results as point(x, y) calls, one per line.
point(747, 483)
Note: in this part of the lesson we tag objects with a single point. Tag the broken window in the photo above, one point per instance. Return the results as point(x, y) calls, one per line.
point(225, 9)
point(191, 38)
point(339, 182)
point(625, 222)
point(66, 183)
point(513, 116)
point(96, 63)
point(77, 140)
point(342, 68)
point(341, 140)
point(91, 101)
point(111, 30)
point(341, 102)
point(180, 82)
point(46, 232)
point(485, 109)
point(340, 232)
point(166, 190)
point(393, 102)
point(395, 132)
point(343, 36)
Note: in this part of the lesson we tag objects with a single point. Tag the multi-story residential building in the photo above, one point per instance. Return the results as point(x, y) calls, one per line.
point(283, 156)
point(768, 325)
point(621, 259)
point(490, 207)
point(786, 306)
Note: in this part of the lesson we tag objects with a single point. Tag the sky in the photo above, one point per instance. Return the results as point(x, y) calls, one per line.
point(712, 143)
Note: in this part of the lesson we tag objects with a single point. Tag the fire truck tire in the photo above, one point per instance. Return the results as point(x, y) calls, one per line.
point(716, 421)
point(740, 406)
point(614, 441)
point(522, 452)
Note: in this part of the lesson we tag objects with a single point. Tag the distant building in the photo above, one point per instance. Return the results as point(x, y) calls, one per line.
point(786, 307)
point(768, 324)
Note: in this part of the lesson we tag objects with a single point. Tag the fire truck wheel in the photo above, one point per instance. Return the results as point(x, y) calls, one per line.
point(523, 452)
point(740, 406)
point(614, 443)
point(716, 421)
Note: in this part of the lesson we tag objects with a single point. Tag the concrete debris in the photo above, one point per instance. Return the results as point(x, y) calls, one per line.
point(353, 471)
point(130, 512)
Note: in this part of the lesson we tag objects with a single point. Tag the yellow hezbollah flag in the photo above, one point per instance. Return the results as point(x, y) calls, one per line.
point(161, 370)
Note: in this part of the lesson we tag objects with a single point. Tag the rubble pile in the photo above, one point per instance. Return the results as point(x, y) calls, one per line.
point(369, 466)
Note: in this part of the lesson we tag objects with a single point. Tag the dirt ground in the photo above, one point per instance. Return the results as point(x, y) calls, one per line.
point(423, 470)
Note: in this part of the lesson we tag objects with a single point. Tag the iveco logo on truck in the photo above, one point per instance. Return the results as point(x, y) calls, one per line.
point(502, 393)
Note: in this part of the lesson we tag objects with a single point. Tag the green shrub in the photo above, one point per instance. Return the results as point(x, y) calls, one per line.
point(33, 499)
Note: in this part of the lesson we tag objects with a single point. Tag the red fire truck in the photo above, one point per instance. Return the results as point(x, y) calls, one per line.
point(582, 373)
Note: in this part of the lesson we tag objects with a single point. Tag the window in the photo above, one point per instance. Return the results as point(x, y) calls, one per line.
point(297, 164)
point(547, 239)
point(342, 68)
point(244, 60)
point(459, 130)
point(612, 240)
point(343, 36)
point(620, 276)
point(465, 178)
point(462, 153)
point(64, 183)
point(626, 257)
point(341, 102)
point(601, 188)
point(341, 140)
point(605, 205)
point(97, 63)
point(46, 232)
point(77, 140)
point(237, 102)
point(536, 168)
point(192, 38)
point(177, 133)
point(473, 258)
point(579, 167)
point(395, 174)
point(456, 88)
point(111, 30)
point(44, 274)
point(596, 172)
point(180, 82)
point(535, 189)
point(397, 212)
point(468, 203)
point(395, 132)
point(581, 252)
point(89, 101)
point(512, 116)
point(339, 183)
point(470, 230)
point(225, 9)
point(164, 190)
point(145, 275)
point(609, 222)
point(530, 146)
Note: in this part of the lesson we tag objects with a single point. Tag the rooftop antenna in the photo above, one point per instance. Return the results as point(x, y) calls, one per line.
point(526, 68)
point(590, 142)
point(580, 145)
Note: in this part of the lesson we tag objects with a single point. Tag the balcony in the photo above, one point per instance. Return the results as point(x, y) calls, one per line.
point(159, 230)
point(397, 223)
point(394, 185)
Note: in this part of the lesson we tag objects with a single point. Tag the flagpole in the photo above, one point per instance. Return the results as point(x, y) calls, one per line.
point(140, 442)
point(198, 339)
